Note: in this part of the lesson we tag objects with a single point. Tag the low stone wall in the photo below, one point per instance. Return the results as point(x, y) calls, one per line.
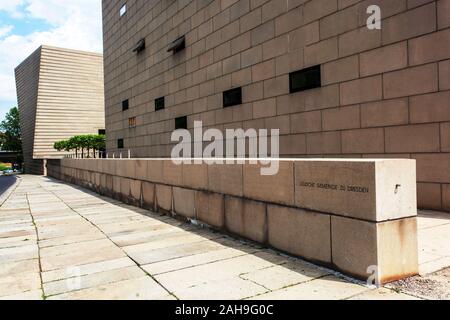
point(357, 216)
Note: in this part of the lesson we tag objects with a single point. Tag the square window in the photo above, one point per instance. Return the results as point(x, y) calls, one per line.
point(181, 123)
point(125, 105)
point(120, 144)
point(102, 132)
point(123, 10)
point(305, 79)
point(132, 122)
point(232, 97)
point(159, 104)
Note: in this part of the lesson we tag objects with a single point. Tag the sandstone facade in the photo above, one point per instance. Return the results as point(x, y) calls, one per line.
point(384, 93)
point(60, 94)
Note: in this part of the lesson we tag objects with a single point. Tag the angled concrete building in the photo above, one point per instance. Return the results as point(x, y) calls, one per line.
point(60, 94)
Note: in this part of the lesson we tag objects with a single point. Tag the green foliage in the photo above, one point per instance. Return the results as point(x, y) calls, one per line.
point(4, 167)
point(10, 139)
point(60, 145)
point(82, 142)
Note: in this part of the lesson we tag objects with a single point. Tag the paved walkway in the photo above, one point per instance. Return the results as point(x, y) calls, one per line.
point(58, 241)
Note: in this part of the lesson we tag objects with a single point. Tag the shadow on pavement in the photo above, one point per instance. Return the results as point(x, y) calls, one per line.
point(6, 182)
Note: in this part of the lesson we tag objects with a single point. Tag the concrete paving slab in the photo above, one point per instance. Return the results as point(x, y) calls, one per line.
point(24, 266)
point(26, 252)
point(19, 282)
point(17, 233)
point(169, 240)
point(135, 289)
point(87, 269)
point(92, 247)
point(76, 258)
point(233, 288)
point(326, 288)
point(64, 240)
point(78, 282)
point(383, 294)
point(195, 260)
point(431, 267)
point(174, 252)
point(33, 295)
point(285, 275)
point(213, 272)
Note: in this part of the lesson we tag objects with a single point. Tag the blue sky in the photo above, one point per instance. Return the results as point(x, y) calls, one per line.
point(24, 26)
point(27, 24)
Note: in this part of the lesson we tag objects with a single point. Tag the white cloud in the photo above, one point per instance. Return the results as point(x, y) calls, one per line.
point(7, 91)
point(76, 24)
point(12, 7)
point(5, 30)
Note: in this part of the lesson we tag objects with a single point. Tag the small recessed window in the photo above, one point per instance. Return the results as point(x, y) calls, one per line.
point(132, 122)
point(120, 144)
point(181, 123)
point(305, 79)
point(123, 10)
point(232, 97)
point(102, 132)
point(125, 105)
point(160, 104)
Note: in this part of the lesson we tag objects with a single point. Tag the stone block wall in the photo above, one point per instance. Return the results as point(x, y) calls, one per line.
point(352, 215)
point(384, 94)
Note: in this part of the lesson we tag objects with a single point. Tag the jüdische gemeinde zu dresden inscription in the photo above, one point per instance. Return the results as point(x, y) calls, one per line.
point(336, 187)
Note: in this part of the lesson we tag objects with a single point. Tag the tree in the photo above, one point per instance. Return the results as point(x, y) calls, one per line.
point(83, 143)
point(100, 142)
point(74, 144)
point(58, 145)
point(10, 139)
point(88, 142)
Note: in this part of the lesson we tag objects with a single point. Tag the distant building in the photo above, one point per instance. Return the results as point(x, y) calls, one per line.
point(60, 94)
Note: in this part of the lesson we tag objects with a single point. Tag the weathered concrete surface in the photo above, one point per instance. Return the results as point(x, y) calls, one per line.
point(347, 195)
point(58, 241)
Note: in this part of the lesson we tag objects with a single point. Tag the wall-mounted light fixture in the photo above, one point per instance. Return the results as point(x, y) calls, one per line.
point(140, 46)
point(177, 45)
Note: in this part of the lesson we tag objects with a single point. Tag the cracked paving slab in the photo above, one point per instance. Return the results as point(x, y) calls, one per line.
point(58, 241)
